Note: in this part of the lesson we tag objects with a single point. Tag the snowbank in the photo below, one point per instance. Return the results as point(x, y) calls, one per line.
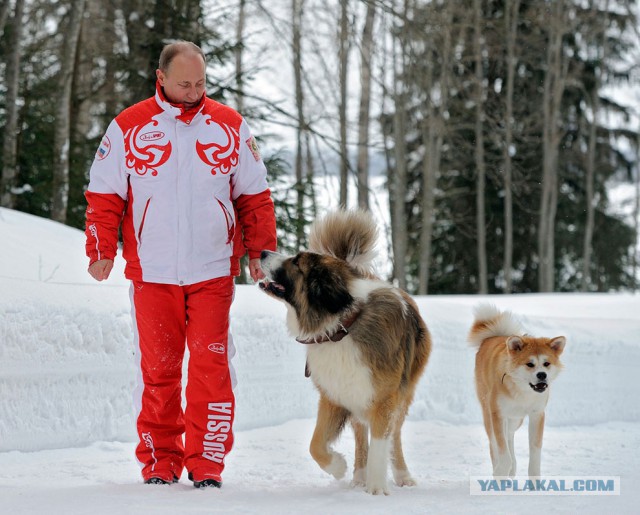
point(67, 367)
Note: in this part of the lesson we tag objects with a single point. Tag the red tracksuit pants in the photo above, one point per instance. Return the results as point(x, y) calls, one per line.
point(166, 317)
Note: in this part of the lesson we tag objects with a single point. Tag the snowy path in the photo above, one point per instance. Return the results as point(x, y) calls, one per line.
point(271, 472)
point(67, 373)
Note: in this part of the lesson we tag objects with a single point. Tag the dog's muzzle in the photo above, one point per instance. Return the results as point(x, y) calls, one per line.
point(270, 261)
point(539, 387)
point(271, 287)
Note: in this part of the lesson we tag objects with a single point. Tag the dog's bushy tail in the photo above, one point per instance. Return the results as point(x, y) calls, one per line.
point(490, 321)
point(349, 235)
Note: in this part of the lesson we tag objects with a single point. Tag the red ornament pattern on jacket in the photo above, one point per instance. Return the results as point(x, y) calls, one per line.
point(221, 158)
point(150, 157)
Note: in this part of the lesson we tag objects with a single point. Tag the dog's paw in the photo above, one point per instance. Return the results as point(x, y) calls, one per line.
point(403, 478)
point(338, 466)
point(359, 478)
point(376, 488)
point(502, 468)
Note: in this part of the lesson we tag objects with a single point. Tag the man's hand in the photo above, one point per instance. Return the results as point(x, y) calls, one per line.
point(101, 269)
point(256, 270)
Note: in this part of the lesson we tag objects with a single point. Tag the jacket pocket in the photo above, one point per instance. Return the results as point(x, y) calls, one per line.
point(142, 220)
point(229, 220)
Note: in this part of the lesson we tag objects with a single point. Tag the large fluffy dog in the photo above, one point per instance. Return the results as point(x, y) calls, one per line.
point(366, 344)
point(513, 374)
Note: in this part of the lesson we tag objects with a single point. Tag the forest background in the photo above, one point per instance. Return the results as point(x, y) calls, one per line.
point(497, 130)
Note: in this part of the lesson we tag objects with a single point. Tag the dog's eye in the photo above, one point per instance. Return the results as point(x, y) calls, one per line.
point(546, 364)
point(530, 365)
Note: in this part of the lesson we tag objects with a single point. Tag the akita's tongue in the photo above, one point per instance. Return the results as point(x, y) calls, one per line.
point(539, 387)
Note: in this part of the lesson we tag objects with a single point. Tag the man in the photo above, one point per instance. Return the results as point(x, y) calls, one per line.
point(181, 176)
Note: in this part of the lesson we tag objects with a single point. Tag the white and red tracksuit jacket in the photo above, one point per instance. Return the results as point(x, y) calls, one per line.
point(189, 188)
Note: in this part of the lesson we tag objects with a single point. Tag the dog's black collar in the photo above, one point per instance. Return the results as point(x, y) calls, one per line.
point(342, 331)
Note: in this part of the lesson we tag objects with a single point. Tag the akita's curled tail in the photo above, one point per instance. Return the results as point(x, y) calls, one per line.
point(349, 235)
point(490, 321)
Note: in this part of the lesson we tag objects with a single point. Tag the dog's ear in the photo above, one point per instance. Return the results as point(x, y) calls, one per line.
point(515, 344)
point(558, 343)
point(328, 290)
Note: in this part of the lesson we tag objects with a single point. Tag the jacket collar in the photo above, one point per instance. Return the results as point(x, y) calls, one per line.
point(177, 111)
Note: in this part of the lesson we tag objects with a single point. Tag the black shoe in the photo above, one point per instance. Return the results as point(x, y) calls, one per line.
point(156, 481)
point(159, 481)
point(205, 483)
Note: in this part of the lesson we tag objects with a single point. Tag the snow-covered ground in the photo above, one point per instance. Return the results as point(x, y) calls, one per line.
point(67, 428)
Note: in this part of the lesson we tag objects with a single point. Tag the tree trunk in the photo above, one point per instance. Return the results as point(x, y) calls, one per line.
point(62, 136)
point(140, 62)
point(587, 250)
point(309, 190)
point(512, 10)
point(4, 14)
point(10, 144)
point(399, 192)
point(554, 82)
point(364, 112)
point(343, 60)
point(386, 63)
point(95, 45)
point(297, 7)
point(479, 153)
point(433, 127)
point(636, 218)
point(86, 92)
point(238, 56)
point(399, 176)
point(431, 130)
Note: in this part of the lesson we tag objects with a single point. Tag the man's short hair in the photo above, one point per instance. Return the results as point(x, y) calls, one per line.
point(177, 47)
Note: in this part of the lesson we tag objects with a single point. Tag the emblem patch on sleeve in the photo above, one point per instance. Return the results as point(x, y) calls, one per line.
point(253, 146)
point(103, 149)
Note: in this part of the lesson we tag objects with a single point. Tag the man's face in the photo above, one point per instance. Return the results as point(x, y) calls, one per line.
point(184, 82)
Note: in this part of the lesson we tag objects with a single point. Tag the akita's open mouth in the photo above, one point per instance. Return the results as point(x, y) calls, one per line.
point(539, 387)
point(275, 289)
